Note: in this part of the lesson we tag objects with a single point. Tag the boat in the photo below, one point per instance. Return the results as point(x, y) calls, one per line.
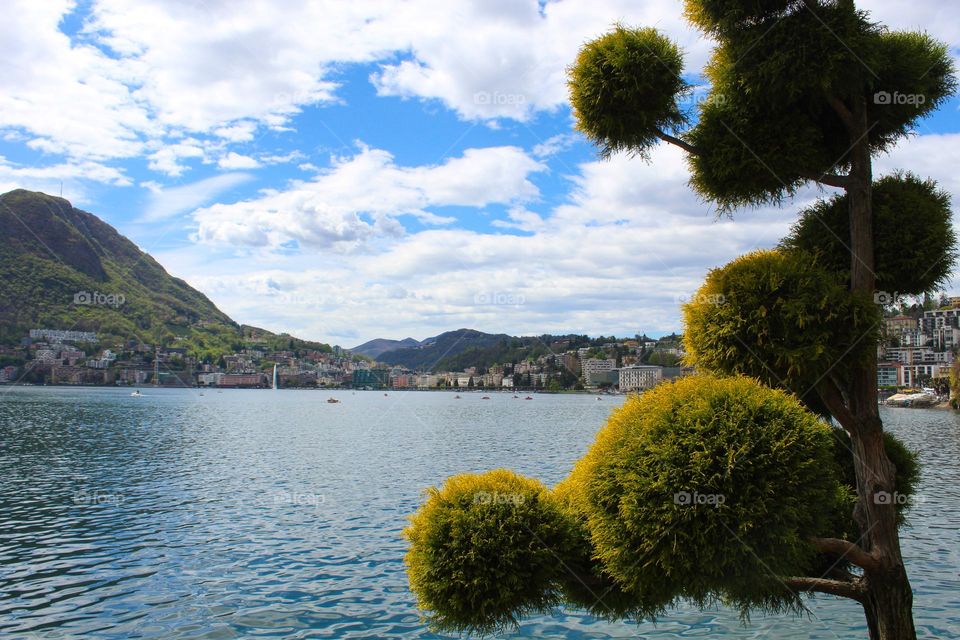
point(485, 398)
point(332, 401)
point(529, 398)
point(456, 397)
point(516, 396)
point(136, 394)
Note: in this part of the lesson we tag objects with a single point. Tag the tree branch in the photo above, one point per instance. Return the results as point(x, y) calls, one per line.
point(852, 590)
point(832, 397)
point(841, 109)
point(830, 179)
point(847, 550)
point(689, 148)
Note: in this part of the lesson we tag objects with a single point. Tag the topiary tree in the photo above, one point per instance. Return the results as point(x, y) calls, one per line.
point(801, 91)
point(707, 489)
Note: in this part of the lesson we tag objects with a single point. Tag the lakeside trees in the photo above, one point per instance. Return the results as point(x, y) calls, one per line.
point(801, 92)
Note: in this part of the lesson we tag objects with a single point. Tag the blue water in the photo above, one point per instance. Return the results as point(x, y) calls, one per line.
point(274, 514)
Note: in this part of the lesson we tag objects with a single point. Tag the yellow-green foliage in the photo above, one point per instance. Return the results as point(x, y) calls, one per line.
point(907, 212)
point(707, 488)
point(586, 584)
point(484, 551)
point(715, 16)
point(623, 88)
point(778, 317)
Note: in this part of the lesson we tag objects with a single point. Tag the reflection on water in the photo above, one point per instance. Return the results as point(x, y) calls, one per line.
point(246, 513)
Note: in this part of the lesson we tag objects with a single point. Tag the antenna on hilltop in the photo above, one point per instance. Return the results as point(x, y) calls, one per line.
point(61, 188)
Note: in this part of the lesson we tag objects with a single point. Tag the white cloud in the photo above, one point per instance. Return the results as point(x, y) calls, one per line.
point(576, 269)
point(143, 75)
point(555, 144)
point(168, 202)
point(66, 97)
point(167, 159)
point(618, 257)
point(508, 58)
point(234, 160)
point(71, 177)
point(361, 196)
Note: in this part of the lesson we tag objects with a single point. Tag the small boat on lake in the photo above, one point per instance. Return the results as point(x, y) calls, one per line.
point(332, 401)
point(485, 398)
point(136, 394)
point(529, 398)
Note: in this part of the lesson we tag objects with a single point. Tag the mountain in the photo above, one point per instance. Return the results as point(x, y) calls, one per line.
point(456, 350)
point(463, 348)
point(64, 268)
point(377, 346)
point(434, 352)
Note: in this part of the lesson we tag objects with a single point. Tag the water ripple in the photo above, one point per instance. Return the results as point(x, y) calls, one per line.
point(250, 514)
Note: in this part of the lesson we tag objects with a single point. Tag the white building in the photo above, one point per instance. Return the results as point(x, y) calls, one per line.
point(47, 356)
point(640, 377)
point(209, 379)
point(594, 369)
point(910, 374)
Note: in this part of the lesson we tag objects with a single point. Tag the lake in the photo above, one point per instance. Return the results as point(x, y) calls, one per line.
point(275, 514)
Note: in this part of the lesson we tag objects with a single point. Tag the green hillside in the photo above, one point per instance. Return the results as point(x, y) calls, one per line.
point(456, 350)
point(63, 268)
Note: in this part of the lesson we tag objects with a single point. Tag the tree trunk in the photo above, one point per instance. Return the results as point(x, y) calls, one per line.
point(889, 605)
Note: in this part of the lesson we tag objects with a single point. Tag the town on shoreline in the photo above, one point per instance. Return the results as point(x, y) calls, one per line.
point(916, 351)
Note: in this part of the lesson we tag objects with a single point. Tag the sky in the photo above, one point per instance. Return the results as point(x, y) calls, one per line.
point(345, 171)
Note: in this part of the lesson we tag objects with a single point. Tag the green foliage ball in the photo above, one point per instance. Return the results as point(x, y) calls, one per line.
point(717, 16)
point(484, 551)
point(623, 88)
point(915, 246)
point(705, 489)
point(779, 317)
point(913, 76)
point(750, 155)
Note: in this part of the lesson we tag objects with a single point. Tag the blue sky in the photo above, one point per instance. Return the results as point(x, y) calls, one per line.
point(346, 171)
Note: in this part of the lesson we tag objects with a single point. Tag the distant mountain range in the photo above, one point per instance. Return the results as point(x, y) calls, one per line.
point(63, 268)
point(377, 346)
point(456, 350)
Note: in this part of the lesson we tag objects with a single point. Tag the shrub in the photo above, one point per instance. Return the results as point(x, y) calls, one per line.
point(708, 488)
point(484, 551)
point(778, 317)
point(623, 89)
point(914, 243)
